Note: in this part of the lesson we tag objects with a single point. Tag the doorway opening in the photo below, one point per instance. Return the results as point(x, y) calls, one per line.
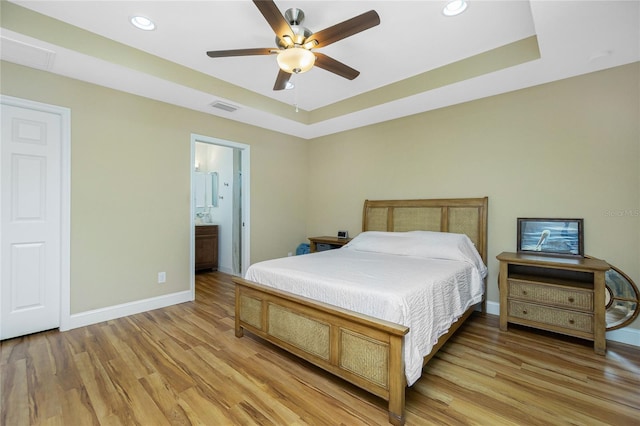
point(220, 195)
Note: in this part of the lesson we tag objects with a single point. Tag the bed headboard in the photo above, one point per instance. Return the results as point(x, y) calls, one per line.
point(460, 215)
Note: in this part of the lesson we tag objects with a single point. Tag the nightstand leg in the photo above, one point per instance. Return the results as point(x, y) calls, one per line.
point(504, 293)
point(599, 313)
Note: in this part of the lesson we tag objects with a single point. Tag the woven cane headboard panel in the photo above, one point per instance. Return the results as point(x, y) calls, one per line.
point(460, 215)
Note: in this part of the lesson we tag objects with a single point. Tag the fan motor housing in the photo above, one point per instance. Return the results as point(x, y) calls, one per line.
point(294, 17)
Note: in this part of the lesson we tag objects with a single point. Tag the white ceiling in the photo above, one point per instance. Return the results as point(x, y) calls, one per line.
point(414, 37)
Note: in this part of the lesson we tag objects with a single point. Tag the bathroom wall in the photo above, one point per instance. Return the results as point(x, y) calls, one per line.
point(215, 158)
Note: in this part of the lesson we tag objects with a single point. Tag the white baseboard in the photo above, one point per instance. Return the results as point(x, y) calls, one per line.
point(493, 308)
point(118, 311)
point(226, 270)
point(629, 336)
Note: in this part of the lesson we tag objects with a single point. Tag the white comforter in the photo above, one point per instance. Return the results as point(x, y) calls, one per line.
point(426, 295)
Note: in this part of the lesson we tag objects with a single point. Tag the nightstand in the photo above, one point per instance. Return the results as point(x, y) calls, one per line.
point(332, 242)
point(560, 294)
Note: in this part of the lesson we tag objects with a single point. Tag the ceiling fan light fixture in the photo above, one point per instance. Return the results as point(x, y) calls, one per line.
point(286, 39)
point(296, 60)
point(454, 7)
point(310, 44)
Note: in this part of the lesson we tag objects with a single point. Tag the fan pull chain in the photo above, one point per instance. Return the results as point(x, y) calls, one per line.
point(295, 89)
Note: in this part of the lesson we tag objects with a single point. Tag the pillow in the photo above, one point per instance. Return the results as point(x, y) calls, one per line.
point(380, 242)
point(426, 244)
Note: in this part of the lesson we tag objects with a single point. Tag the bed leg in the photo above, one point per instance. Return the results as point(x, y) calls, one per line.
point(397, 381)
point(395, 419)
point(239, 329)
point(396, 408)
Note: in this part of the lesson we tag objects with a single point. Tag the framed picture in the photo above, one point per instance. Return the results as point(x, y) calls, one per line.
point(551, 236)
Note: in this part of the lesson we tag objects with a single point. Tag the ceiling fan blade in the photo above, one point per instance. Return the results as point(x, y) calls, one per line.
point(240, 52)
point(328, 63)
point(281, 80)
point(344, 29)
point(274, 18)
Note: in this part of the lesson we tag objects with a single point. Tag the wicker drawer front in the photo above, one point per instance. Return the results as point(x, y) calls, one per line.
point(551, 295)
point(552, 316)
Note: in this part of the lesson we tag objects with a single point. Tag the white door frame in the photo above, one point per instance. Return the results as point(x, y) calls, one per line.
point(245, 199)
point(65, 197)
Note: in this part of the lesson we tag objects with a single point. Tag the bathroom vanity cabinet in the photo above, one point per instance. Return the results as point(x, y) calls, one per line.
point(206, 250)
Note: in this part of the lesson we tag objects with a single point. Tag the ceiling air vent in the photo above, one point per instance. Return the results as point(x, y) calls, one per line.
point(224, 107)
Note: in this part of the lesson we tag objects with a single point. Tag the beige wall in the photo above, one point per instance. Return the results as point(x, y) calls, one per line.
point(130, 187)
point(565, 149)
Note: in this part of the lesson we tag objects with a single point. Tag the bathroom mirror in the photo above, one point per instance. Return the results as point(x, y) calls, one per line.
point(200, 189)
point(211, 189)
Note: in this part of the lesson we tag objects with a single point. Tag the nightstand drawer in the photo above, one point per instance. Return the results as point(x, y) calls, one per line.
point(556, 317)
point(551, 295)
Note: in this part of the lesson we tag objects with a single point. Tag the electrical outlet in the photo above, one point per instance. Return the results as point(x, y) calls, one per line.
point(290, 254)
point(162, 277)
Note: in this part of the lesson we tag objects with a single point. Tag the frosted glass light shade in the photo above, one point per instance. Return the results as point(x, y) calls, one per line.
point(296, 60)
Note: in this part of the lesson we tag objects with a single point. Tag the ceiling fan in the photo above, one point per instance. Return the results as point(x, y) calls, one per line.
point(295, 42)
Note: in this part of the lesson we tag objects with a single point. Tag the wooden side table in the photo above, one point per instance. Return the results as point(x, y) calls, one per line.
point(334, 242)
point(560, 294)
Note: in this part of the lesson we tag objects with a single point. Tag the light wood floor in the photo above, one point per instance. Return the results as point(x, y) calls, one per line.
point(183, 365)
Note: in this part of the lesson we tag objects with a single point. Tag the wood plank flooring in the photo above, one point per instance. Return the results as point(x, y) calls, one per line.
point(182, 365)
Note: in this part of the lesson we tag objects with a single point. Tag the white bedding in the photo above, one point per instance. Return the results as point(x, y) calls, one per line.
point(378, 274)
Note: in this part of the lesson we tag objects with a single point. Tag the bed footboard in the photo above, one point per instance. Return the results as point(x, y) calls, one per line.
point(365, 351)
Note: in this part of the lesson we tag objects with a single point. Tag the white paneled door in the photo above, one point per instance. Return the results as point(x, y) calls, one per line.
point(30, 220)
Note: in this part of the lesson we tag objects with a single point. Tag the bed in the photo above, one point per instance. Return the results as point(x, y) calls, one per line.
point(373, 346)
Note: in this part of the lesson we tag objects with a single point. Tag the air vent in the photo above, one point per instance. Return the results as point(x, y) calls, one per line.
point(224, 107)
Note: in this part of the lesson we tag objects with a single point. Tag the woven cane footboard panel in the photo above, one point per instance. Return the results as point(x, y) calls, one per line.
point(251, 311)
point(365, 357)
point(310, 335)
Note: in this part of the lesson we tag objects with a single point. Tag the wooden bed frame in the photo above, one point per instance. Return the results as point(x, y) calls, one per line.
point(363, 350)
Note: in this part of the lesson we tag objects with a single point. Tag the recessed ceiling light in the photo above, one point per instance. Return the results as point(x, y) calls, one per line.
point(454, 7)
point(289, 86)
point(143, 23)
